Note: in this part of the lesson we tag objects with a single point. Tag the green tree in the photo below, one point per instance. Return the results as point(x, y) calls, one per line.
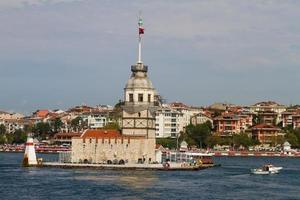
point(292, 139)
point(242, 140)
point(170, 143)
point(42, 130)
point(78, 124)
point(213, 140)
point(198, 134)
point(57, 124)
point(255, 119)
point(2, 139)
point(292, 136)
point(27, 128)
point(9, 138)
point(112, 126)
point(2, 129)
point(19, 136)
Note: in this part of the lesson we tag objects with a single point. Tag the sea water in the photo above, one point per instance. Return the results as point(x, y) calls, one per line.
point(230, 181)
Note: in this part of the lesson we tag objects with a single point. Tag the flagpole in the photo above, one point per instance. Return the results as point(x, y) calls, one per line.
point(140, 23)
point(140, 49)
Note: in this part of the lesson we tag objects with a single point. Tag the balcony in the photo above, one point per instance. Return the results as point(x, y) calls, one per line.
point(139, 68)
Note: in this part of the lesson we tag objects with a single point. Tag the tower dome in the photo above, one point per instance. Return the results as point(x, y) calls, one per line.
point(139, 78)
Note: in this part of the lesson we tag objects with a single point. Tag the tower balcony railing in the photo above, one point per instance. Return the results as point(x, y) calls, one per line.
point(139, 68)
point(128, 103)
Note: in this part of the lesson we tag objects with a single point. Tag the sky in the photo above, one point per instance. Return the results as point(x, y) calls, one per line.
point(61, 53)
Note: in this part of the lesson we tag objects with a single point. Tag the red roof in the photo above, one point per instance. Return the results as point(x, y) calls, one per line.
point(42, 113)
point(101, 133)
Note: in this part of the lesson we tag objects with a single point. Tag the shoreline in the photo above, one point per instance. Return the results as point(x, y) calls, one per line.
point(214, 154)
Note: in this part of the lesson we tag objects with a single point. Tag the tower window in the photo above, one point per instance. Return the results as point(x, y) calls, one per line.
point(141, 98)
point(130, 97)
point(149, 97)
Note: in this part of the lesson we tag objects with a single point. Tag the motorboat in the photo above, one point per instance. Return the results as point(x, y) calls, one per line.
point(266, 169)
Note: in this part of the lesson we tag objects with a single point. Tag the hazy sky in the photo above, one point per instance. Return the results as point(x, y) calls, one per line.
point(60, 53)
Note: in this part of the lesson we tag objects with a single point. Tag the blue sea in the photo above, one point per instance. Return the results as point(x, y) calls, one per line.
point(230, 181)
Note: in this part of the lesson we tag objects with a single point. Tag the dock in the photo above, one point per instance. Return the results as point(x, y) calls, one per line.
point(157, 167)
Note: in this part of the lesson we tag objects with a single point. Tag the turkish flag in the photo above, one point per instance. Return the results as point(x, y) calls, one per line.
point(141, 30)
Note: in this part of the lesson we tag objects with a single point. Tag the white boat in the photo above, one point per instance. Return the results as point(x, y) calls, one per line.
point(266, 169)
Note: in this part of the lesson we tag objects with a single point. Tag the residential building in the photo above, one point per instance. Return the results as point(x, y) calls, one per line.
point(290, 118)
point(268, 117)
point(201, 118)
point(246, 120)
point(12, 125)
point(14, 116)
point(187, 113)
point(287, 118)
point(96, 120)
point(227, 124)
point(168, 123)
point(296, 121)
point(268, 106)
point(266, 134)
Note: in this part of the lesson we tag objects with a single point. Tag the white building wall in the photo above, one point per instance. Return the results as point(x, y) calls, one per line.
point(168, 123)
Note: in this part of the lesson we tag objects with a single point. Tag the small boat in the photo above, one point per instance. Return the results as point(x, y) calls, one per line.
point(266, 169)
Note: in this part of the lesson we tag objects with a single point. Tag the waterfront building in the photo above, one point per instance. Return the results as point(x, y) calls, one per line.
point(266, 134)
point(65, 138)
point(136, 142)
point(168, 123)
point(227, 124)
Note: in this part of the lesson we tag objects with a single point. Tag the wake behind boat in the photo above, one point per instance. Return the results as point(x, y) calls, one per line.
point(266, 169)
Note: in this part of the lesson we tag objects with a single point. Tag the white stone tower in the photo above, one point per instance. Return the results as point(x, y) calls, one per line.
point(140, 98)
point(29, 155)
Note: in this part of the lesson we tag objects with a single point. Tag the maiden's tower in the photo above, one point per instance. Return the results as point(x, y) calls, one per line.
point(136, 141)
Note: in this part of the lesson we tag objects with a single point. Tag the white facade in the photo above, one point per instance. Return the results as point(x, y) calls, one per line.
point(96, 120)
point(200, 118)
point(168, 123)
point(10, 116)
point(12, 125)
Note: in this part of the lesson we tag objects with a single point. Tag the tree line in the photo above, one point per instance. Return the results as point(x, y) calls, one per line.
point(202, 136)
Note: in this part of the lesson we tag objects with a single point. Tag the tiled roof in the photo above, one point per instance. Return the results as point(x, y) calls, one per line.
point(101, 133)
point(42, 113)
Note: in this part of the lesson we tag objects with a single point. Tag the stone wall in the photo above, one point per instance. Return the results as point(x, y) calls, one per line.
point(100, 150)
